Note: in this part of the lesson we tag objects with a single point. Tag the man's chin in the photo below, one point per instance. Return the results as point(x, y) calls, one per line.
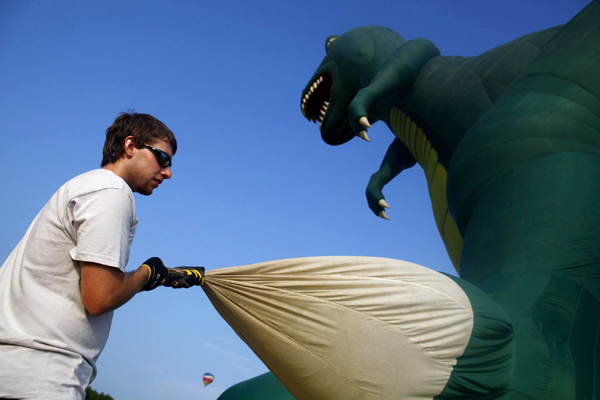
point(146, 191)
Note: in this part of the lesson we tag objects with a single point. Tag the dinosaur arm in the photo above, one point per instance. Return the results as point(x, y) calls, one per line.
point(397, 159)
point(398, 72)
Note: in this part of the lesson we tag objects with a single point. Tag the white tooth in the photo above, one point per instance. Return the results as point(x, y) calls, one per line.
point(323, 113)
point(314, 86)
point(320, 79)
point(363, 136)
point(326, 103)
point(383, 215)
point(312, 89)
point(306, 97)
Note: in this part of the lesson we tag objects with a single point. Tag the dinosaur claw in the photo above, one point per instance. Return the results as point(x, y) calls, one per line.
point(383, 203)
point(363, 136)
point(364, 122)
point(383, 215)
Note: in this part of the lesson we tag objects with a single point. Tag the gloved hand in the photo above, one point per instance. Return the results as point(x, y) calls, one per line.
point(184, 277)
point(158, 273)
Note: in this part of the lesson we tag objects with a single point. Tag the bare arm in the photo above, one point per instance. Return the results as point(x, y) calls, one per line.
point(104, 289)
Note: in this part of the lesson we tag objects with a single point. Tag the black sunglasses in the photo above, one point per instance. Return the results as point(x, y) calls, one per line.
point(163, 158)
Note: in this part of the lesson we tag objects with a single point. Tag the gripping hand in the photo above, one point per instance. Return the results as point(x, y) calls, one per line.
point(158, 273)
point(184, 277)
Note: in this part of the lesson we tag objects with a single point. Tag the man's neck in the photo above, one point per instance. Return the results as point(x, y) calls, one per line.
point(118, 168)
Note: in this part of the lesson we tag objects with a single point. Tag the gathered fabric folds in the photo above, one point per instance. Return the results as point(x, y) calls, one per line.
point(347, 327)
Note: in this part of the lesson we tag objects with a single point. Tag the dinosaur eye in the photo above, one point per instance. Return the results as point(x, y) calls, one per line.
point(329, 41)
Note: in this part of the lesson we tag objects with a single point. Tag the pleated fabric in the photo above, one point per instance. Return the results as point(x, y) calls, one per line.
point(347, 327)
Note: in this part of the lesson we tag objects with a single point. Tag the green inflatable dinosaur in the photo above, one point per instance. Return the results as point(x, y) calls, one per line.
point(510, 145)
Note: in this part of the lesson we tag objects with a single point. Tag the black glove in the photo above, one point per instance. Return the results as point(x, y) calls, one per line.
point(158, 273)
point(184, 277)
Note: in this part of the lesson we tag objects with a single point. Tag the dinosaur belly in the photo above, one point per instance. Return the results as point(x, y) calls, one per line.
point(426, 155)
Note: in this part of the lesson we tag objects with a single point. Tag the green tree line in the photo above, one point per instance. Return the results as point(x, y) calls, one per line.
point(91, 394)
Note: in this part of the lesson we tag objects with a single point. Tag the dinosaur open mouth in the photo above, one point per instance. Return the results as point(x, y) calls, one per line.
point(315, 101)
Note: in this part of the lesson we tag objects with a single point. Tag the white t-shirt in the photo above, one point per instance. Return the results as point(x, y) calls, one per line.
point(48, 342)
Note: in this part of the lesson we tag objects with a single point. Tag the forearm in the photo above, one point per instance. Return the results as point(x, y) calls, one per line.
point(397, 159)
point(104, 289)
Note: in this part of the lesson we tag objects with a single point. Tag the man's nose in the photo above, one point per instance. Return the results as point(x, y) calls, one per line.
point(166, 172)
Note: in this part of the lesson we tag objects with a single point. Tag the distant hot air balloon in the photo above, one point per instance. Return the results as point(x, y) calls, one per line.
point(208, 378)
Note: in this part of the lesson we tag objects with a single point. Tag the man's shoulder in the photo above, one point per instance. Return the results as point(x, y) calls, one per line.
point(94, 181)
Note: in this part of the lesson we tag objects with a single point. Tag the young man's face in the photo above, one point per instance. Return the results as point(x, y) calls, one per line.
point(148, 173)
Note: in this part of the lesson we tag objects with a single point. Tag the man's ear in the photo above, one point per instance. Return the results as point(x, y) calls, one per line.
point(129, 146)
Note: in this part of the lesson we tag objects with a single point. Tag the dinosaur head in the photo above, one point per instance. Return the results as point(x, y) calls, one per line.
point(351, 62)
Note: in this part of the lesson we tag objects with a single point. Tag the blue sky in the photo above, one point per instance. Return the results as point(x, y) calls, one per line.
point(252, 180)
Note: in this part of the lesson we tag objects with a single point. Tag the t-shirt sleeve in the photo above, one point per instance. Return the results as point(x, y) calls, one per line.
point(104, 223)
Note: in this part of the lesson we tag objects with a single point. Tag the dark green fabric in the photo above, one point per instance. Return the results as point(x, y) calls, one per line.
point(452, 93)
point(546, 279)
point(487, 365)
point(262, 387)
point(524, 188)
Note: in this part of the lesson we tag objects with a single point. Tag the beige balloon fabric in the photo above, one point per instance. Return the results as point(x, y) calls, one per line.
point(347, 327)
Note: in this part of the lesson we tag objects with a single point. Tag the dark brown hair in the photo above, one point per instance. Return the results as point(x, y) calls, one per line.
point(143, 127)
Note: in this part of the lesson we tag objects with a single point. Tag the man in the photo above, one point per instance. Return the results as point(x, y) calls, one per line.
point(60, 285)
